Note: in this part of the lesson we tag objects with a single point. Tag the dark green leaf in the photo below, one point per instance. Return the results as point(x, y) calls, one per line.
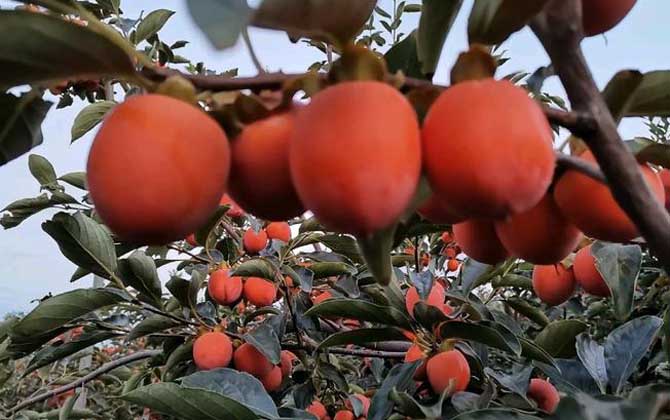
point(151, 24)
point(652, 97)
point(42, 170)
point(20, 122)
point(619, 266)
point(592, 356)
point(76, 179)
point(558, 338)
point(474, 274)
point(494, 414)
point(400, 378)
point(620, 91)
point(403, 57)
point(493, 21)
point(265, 339)
point(90, 116)
point(151, 324)
point(437, 17)
point(362, 311)
point(139, 272)
point(532, 351)
point(20, 210)
point(363, 336)
point(326, 269)
point(255, 268)
point(490, 334)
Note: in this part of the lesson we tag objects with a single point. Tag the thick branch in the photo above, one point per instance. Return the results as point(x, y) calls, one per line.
point(580, 165)
point(559, 29)
point(94, 374)
point(578, 123)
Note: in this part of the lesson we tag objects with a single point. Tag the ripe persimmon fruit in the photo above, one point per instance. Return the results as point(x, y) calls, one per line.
point(248, 359)
point(487, 149)
point(223, 288)
point(479, 241)
point(600, 16)
point(587, 275)
point(435, 298)
point(344, 415)
point(254, 242)
point(318, 409)
point(437, 211)
point(280, 231)
point(272, 381)
point(453, 264)
point(356, 156)
point(235, 210)
point(321, 297)
point(212, 350)
point(540, 235)
point(553, 284)
point(448, 369)
point(164, 144)
point(259, 292)
point(591, 206)
point(544, 394)
point(260, 175)
point(286, 362)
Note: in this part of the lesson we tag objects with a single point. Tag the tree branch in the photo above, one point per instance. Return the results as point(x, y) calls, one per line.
point(559, 29)
point(578, 123)
point(94, 374)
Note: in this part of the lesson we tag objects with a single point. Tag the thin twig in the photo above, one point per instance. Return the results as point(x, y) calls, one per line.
point(94, 374)
point(580, 165)
point(190, 254)
point(150, 308)
point(252, 52)
point(579, 124)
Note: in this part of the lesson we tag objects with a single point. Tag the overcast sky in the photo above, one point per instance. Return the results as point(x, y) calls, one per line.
point(32, 266)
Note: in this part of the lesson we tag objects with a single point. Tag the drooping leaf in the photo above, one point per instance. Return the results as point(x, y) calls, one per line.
point(151, 324)
point(20, 210)
point(139, 272)
point(258, 267)
point(493, 21)
point(222, 21)
point(90, 116)
point(42, 170)
point(39, 47)
point(619, 266)
point(592, 356)
point(400, 378)
point(360, 310)
point(437, 17)
point(558, 338)
point(84, 242)
point(620, 90)
point(488, 333)
point(363, 336)
point(473, 274)
point(20, 123)
point(651, 97)
point(265, 339)
point(151, 24)
point(403, 56)
point(76, 179)
point(517, 382)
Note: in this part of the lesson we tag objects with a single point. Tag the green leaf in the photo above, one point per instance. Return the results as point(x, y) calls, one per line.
point(90, 116)
point(558, 338)
point(181, 354)
point(399, 378)
point(648, 151)
point(179, 288)
point(363, 336)
point(58, 310)
point(532, 351)
point(336, 21)
point(652, 97)
point(139, 271)
point(322, 270)
point(493, 21)
point(239, 386)
point(50, 354)
point(42, 170)
point(592, 356)
point(531, 312)
point(84, 242)
point(67, 410)
point(362, 311)
point(222, 21)
point(20, 123)
point(20, 210)
point(404, 57)
point(343, 245)
point(39, 47)
point(188, 403)
point(151, 24)
point(619, 266)
point(265, 339)
point(76, 179)
point(473, 274)
point(485, 332)
point(437, 17)
point(152, 324)
point(620, 91)
point(255, 268)
point(495, 414)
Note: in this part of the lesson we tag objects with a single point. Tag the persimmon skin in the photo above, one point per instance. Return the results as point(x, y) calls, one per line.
point(161, 144)
point(356, 156)
point(260, 175)
point(540, 235)
point(591, 206)
point(665, 179)
point(259, 292)
point(254, 242)
point(248, 359)
point(453, 265)
point(318, 409)
point(212, 350)
point(272, 381)
point(344, 415)
point(599, 16)
point(479, 240)
point(286, 362)
point(280, 231)
point(544, 394)
point(587, 275)
point(321, 297)
point(223, 288)
point(435, 298)
point(413, 354)
point(478, 130)
point(235, 210)
point(446, 367)
point(553, 284)
point(437, 211)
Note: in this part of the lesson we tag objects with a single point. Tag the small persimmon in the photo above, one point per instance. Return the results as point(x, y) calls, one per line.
point(254, 242)
point(286, 362)
point(259, 292)
point(587, 275)
point(248, 359)
point(273, 380)
point(223, 288)
point(448, 369)
point(544, 394)
point(280, 231)
point(212, 350)
point(318, 409)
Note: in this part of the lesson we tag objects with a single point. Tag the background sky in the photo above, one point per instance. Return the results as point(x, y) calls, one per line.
point(31, 264)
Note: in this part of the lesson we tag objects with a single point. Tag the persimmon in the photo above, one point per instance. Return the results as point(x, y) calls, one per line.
point(591, 206)
point(259, 292)
point(453, 264)
point(212, 350)
point(260, 175)
point(234, 209)
point(248, 359)
point(587, 275)
point(600, 16)
point(223, 288)
point(163, 143)
point(544, 394)
point(437, 211)
point(446, 237)
point(487, 149)
point(356, 156)
point(479, 240)
point(321, 297)
point(414, 353)
point(318, 409)
point(190, 239)
point(254, 242)
point(278, 230)
point(286, 362)
point(540, 235)
point(365, 402)
point(344, 415)
point(435, 298)
point(553, 284)
point(665, 179)
point(448, 369)
point(272, 381)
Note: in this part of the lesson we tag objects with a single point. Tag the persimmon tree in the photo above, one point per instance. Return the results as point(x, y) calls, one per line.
point(358, 241)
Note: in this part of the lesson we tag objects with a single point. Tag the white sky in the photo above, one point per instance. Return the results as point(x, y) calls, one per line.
point(31, 264)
